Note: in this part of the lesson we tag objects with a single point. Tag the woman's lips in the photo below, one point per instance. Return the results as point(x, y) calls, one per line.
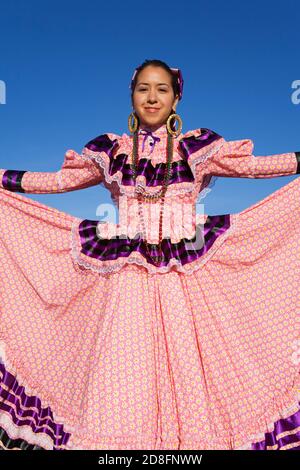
point(152, 110)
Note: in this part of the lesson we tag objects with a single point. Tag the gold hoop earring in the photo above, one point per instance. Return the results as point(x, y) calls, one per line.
point(178, 119)
point(132, 127)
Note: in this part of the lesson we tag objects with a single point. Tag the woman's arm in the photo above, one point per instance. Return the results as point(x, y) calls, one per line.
point(77, 172)
point(235, 159)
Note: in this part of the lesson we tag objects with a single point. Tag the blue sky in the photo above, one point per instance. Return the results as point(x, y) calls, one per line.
point(67, 66)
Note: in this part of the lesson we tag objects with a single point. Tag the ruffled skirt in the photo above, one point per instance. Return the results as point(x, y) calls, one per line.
point(133, 360)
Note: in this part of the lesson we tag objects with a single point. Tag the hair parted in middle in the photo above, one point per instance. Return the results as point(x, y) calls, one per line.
point(156, 63)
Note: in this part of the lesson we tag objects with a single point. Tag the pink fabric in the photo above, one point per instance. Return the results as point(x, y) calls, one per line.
point(136, 359)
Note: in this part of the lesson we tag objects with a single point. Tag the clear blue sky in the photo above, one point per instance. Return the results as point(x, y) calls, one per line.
point(67, 66)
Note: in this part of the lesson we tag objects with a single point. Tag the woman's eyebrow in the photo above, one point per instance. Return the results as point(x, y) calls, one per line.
point(145, 83)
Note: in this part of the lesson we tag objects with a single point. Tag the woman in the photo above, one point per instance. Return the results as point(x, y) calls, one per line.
point(168, 330)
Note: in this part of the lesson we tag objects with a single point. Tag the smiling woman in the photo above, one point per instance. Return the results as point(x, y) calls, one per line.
point(155, 96)
point(168, 330)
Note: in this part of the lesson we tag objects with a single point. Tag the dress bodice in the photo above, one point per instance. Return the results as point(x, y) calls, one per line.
point(182, 228)
point(114, 154)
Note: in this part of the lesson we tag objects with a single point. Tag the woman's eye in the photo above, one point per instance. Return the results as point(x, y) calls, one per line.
point(144, 89)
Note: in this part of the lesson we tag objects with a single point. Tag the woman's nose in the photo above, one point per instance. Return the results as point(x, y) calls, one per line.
point(152, 96)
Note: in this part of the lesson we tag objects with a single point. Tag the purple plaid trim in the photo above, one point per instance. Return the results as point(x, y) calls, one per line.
point(193, 143)
point(184, 251)
point(180, 170)
point(12, 179)
point(103, 143)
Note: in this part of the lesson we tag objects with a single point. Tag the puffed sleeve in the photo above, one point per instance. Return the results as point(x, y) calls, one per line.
point(78, 171)
point(236, 159)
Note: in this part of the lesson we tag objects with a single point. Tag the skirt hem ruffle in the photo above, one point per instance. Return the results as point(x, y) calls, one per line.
point(280, 408)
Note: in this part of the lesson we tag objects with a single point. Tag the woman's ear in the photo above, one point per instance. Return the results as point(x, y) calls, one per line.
point(175, 103)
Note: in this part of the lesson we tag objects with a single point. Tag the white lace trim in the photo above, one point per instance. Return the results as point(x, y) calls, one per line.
point(24, 432)
point(214, 147)
point(109, 267)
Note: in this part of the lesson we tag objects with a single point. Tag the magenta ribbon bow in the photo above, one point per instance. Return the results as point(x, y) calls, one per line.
point(147, 134)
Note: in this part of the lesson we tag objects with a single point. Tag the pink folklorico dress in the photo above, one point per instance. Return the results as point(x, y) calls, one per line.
point(102, 349)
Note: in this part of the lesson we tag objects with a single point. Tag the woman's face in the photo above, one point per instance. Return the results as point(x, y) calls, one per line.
point(153, 97)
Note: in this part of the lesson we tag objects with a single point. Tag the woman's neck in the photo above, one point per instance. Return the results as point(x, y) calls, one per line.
point(153, 128)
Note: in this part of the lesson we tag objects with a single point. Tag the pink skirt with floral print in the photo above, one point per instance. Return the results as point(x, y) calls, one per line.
point(133, 360)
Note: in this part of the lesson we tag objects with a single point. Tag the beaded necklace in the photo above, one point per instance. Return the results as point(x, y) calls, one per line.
point(160, 194)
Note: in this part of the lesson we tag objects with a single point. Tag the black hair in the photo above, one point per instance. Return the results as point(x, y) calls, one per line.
point(156, 63)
